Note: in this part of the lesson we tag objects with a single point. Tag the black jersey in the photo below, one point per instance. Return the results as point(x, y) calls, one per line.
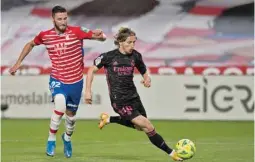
point(119, 69)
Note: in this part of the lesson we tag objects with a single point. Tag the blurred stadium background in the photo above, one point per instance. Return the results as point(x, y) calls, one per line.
point(201, 57)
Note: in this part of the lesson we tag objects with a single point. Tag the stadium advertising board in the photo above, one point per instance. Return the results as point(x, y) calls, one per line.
point(170, 97)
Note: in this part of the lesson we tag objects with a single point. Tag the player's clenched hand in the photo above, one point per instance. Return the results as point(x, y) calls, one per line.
point(146, 82)
point(88, 98)
point(97, 32)
point(99, 35)
point(14, 68)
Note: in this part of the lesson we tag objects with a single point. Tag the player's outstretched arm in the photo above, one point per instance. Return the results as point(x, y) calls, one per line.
point(98, 35)
point(143, 71)
point(26, 50)
point(89, 80)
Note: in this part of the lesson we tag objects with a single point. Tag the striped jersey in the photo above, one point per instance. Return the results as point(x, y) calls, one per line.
point(65, 52)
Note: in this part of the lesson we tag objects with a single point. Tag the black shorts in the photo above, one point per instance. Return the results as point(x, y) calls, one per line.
point(129, 110)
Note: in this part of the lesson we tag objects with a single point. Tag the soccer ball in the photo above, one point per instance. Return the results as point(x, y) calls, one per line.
point(185, 149)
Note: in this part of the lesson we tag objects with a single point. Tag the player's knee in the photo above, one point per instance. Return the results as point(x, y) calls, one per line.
point(60, 102)
point(59, 98)
point(150, 127)
point(70, 113)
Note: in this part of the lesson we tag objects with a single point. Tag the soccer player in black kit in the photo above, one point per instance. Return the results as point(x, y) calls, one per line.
point(119, 65)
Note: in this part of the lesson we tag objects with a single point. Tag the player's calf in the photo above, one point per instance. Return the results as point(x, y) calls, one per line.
point(153, 136)
point(70, 125)
point(56, 117)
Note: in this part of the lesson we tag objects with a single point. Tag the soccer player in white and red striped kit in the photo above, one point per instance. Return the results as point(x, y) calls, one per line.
point(64, 44)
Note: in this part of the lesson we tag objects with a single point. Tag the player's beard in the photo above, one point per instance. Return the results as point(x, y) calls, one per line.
point(62, 30)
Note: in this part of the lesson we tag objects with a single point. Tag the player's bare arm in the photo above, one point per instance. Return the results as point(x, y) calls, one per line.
point(146, 80)
point(98, 35)
point(89, 80)
point(26, 50)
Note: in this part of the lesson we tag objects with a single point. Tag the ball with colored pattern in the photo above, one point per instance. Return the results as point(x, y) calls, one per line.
point(185, 149)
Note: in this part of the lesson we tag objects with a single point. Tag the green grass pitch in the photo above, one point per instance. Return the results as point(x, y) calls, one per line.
point(24, 141)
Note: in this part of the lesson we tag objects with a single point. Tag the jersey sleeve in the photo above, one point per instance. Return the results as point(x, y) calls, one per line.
point(84, 33)
point(101, 61)
point(141, 67)
point(38, 39)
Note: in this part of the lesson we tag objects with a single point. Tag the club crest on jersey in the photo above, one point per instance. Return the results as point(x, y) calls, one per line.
point(67, 37)
point(60, 48)
point(115, 63)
